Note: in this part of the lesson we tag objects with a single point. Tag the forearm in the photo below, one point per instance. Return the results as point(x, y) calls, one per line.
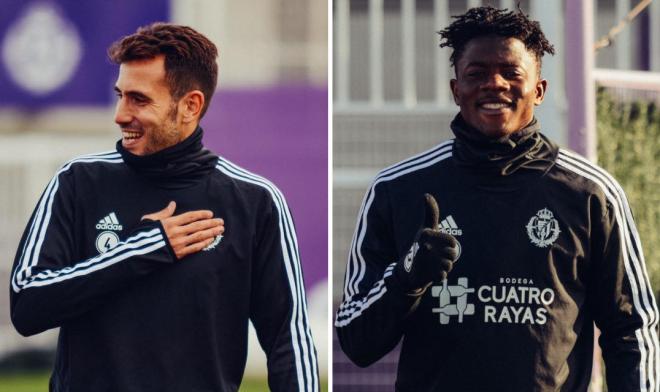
point(278, 305)
point(44, 298)
point(624, 303)
point(371, 323)
point(631, 362)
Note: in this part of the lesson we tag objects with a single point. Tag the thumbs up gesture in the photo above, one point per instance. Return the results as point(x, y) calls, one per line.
point(431, 256)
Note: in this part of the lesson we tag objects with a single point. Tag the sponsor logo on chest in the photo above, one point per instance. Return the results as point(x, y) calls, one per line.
point(449, 226)
point(509, 301)
point(108, 238)
point(110, 222)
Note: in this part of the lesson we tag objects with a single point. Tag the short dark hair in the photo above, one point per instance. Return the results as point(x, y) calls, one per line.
point(484, 21)
point(189, 57)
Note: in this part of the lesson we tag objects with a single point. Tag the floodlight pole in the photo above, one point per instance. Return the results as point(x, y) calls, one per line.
point(580, 86)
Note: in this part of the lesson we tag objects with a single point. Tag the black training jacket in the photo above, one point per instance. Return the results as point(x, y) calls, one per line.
point(131, 317)
point(548, 246)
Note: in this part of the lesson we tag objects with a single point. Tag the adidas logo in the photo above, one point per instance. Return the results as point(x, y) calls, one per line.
point(110, 222)
point(449, 226)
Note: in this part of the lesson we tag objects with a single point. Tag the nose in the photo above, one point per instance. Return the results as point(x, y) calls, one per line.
point(122, 114)
point(495, 81)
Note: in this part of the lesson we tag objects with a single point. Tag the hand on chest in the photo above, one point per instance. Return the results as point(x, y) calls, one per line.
point(111, 221)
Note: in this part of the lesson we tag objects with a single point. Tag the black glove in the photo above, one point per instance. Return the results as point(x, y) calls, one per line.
point(430, 257)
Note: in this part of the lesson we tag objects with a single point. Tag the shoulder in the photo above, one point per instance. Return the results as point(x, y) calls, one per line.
point(416, 167)
point(90, 162)
point(248, 183)
point(110, 157)
point(587, 175)
point(592, 180)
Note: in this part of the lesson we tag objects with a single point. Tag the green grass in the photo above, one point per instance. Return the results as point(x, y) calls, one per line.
point(39, 383)
point(24, 382)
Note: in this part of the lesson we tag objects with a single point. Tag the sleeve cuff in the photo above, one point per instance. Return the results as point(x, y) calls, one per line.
point(147, 224)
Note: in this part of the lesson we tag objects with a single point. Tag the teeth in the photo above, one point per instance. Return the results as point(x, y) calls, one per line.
point(494, 105)
point(131, 135)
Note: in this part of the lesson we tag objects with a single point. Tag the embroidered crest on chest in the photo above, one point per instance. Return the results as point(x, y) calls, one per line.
point(543, 229)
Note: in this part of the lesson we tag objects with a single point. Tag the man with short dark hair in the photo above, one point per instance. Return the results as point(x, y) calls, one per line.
point(493, 254)
point(160, 301)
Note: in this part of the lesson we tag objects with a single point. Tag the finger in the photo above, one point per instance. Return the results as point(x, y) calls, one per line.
point(201, 225)
point(169, 210)
point(446, 265)
point(162, 214)
point(191, 216)
point(451, 253)
point(179, 240)
point(193, 248)
point(437, 237)
point(431, 212)
point(200, 236)
point(440, 244)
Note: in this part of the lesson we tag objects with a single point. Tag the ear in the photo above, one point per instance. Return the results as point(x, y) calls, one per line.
point(454, 91)
point(541, 88)
point(190, 106)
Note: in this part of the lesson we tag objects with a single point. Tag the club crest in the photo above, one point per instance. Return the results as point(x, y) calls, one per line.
point(213, 244)
point(543, 228)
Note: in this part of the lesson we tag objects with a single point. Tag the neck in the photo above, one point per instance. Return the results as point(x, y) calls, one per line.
point(506, 142)
point(526, 148)
point(180, 165)
point(187, 129)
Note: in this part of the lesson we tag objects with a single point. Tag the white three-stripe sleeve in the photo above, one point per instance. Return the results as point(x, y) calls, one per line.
point(278, 303)
point(622, 300)
point(370, 318)
point(51, 282)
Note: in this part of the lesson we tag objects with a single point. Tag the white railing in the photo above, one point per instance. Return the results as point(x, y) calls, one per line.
point(623, 51)
point(408, 75)
point(549, 13)
point(633, 80)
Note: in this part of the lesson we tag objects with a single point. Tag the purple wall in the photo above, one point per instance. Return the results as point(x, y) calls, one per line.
point(96, 24)
point(281, 133)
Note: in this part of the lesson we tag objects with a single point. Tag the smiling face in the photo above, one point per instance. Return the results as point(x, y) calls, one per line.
point(497, 85)
point(146, 112)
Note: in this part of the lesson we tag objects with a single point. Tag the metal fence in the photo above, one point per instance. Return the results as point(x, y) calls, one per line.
point(391, 101)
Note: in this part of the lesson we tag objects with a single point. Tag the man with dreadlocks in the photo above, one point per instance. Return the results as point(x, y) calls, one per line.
point(498, 289)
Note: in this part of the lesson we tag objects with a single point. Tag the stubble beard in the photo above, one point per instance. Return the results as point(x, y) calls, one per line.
point(165, 134)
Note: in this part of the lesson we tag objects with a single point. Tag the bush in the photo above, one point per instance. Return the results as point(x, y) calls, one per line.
point(628, 134)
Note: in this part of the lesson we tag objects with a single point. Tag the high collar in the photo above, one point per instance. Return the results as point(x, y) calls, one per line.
point(175, 166)
point(524, 149)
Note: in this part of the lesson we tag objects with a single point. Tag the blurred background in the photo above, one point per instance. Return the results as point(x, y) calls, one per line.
point(392, 100)
point(269, 115)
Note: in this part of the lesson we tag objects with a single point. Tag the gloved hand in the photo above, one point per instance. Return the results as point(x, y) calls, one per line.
point(431, 255)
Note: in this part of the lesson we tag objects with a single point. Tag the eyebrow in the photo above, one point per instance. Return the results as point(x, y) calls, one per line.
point(485, 65)
point(134, 94)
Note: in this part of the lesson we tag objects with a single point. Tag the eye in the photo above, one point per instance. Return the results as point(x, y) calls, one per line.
point(475, 74)
point(137, 99)
point(140, 101)
point(511, 74)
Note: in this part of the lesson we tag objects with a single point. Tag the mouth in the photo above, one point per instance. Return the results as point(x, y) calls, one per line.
point(130, 138)
point(494, 107)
